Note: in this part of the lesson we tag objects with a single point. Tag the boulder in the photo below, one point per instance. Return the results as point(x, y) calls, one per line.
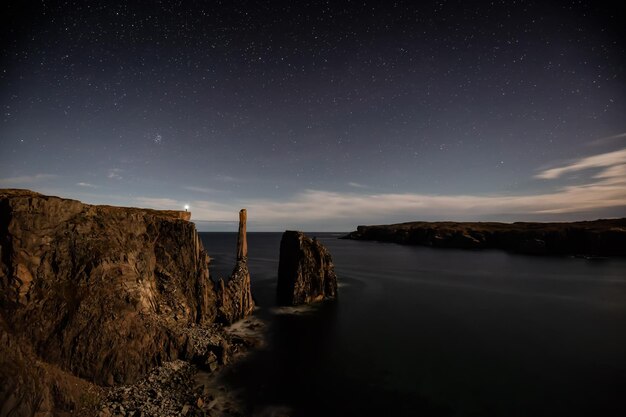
point(306, 272)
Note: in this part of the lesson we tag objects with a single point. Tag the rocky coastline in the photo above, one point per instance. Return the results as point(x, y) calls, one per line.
point(112, 311)
point(591, 239)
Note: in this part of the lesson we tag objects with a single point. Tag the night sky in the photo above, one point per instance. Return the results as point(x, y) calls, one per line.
point(319, 115)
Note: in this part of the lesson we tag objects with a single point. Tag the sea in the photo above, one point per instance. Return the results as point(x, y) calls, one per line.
point(418, 331)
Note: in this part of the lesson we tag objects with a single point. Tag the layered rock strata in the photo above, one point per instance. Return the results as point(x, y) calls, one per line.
point(305, 272)
point(101, 293)
point(586, 238)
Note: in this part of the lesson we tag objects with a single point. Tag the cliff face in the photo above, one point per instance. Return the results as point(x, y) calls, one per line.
point(592, 238)
point(102, 293)
point(305, 272)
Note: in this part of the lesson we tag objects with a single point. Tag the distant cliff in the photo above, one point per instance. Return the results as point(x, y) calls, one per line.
point(101, 293)
point(587, 238)
point(305, 271)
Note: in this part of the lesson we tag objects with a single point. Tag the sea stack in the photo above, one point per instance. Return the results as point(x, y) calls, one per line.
point(235, 297)
point(242, 240)
point(305, 272)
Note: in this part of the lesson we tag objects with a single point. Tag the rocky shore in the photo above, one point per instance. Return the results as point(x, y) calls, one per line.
point(101, 303)
point(188, 387)
point(586, 238)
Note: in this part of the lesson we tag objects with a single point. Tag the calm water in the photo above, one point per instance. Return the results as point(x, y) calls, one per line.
point(420, 331)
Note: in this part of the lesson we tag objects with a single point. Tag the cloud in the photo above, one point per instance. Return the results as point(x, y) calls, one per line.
point(357, 185)
point(602, 160)
point(115, 174)
point(159, 203)
point(608, 139)
point(27, 179)
point(605, 188)
point(199, 189)
point(602, 190)
point(86, 185)
point(227, 178)
point(213, 211)
point(317, 205)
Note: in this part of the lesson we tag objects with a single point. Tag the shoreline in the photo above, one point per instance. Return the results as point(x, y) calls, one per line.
point(187, 387)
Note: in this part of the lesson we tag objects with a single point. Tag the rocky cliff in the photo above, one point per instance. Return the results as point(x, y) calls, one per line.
point(587, 238)
point(97, 292)
point(305, 272)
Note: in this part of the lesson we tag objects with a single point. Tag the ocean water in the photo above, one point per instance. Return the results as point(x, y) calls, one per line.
point(431, 332)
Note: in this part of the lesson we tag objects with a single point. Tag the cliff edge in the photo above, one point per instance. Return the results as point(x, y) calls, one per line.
point(98, 293)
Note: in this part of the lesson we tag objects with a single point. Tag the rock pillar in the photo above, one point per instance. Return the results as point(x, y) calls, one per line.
point(234, 296)
point(242, 242)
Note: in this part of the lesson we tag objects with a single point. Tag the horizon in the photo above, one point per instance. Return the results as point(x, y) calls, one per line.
point(231, 226)
point(320, 117)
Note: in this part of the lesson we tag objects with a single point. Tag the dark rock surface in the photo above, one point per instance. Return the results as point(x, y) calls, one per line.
point(587, 238)
point(305, 272)
point(99, 293)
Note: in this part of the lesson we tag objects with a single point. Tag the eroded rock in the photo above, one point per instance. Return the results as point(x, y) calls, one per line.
point(306, 272)
point(234, 296)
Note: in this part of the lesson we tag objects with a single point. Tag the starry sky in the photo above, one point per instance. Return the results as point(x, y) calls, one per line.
point(319, 115)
